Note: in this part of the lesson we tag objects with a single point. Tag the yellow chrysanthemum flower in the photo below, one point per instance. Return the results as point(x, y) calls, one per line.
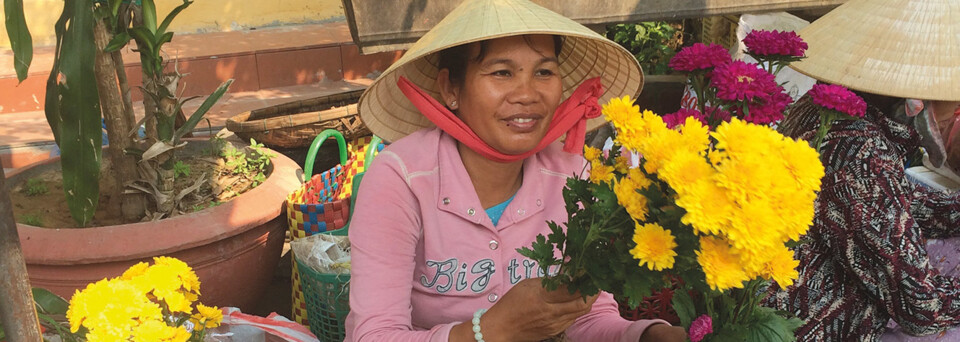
point(660, 143)
point(210, 316)
point(591, 153)
point(600, 173)
point(695, 136)
point(782, 267)
point(176, 301)
point(110, 307)
point(708, 207)
point(639, 178)
point(621, 164)
point(720, 264)
point(631, 200)
point(622, 113)
point(153, 331)
point(685, 169)
point(654, 246)
point(135, 271)
point(804, 163)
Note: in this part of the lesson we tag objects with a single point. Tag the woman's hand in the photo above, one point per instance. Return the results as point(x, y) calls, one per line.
point(528, 312)
point(663, 332)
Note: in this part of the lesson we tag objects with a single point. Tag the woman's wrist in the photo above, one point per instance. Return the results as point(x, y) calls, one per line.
point(465, 332)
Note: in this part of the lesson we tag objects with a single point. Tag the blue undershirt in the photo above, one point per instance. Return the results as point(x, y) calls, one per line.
point(496, 211)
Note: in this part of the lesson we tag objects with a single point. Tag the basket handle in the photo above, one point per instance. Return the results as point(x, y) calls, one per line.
point(372, 149)
point(315, 147)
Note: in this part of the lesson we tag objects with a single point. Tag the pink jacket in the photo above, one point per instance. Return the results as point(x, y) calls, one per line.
point(425, 255)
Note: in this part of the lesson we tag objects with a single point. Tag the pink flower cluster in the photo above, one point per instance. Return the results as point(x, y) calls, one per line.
point(679, 117)
point(775, 43)
point(700, 327)
point(748, 84)
point(699, 56)
point(740, 81)
point(768, 109)
point(838, 98)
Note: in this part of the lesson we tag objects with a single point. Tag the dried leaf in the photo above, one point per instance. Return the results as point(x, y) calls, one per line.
point(159, 148)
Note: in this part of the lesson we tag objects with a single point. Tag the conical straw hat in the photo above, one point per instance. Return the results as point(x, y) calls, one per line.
point(584, 55)
point(899, 48)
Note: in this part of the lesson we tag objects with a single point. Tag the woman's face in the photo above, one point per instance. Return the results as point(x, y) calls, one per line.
point(509, 97)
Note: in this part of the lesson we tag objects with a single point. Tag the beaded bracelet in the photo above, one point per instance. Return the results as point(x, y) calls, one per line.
point(477, 335)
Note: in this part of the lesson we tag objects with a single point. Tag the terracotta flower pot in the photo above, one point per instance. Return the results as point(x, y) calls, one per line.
point(234, 247)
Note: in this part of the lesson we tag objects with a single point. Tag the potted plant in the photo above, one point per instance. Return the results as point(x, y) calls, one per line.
point(233, 246)
point(654, 43)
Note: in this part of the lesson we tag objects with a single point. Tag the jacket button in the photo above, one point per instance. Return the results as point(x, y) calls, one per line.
point(471, 211)
point(494, 244)
point(493, 297)
point(539, 203)
point(446, 200)
point(521, 211)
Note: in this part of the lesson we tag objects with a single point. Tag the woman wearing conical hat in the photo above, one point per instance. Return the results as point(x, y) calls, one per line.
point(474, 111)
point(865, 264)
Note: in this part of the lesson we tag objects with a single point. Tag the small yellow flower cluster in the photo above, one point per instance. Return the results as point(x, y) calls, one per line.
point(655, 246)
point(146, 303)
point(746, 193)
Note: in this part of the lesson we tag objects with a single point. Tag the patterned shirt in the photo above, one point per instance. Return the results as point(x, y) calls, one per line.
point(864, 261)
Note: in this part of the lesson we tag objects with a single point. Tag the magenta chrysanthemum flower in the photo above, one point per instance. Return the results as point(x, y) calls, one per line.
point(700, 327)
point(717, 114)
point(740, 81)
point(772, 43)
point(838, 98)
point(699, 56)
point(680, 116)
point(769, 108)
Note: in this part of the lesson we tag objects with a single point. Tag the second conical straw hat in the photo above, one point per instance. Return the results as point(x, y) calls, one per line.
point(585, 54)
point(900, 48)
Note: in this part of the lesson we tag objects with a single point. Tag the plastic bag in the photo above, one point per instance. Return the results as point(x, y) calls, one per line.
point(323, 253)
point(237, 326)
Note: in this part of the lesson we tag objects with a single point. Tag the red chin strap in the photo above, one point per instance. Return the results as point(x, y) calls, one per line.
point(570, 118)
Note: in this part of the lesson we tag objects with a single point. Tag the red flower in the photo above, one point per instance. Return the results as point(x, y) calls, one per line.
point(769, 108)
point(700, 327)
point(838, 98)
point(699, 57)
point(771, 43)
point(740, 81)
point(718, 114)
point(680, 116)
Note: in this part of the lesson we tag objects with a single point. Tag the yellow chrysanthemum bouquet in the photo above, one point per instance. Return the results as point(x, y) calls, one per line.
point(711, 213)
point(146, 303)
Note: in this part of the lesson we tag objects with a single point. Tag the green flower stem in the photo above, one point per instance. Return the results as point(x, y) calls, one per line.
point(591, 236)
point(825, 123)
point(698, 88)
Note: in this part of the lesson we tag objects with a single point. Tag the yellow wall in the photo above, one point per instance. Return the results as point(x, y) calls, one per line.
point(201, 16)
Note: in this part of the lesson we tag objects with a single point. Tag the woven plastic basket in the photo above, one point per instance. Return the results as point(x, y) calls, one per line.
point(327, 296)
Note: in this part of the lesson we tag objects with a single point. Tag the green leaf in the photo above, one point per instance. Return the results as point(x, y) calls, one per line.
point(51, 107)
point(173, 14)
point(48, 302)
point(145, 38)
point(80, 133)
point(20, 40)
point(204, 107)
point(118, 42)
point(115, 7)
point(149, 15)
point(766, 325)
point(165, 38)
point(683, 305)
